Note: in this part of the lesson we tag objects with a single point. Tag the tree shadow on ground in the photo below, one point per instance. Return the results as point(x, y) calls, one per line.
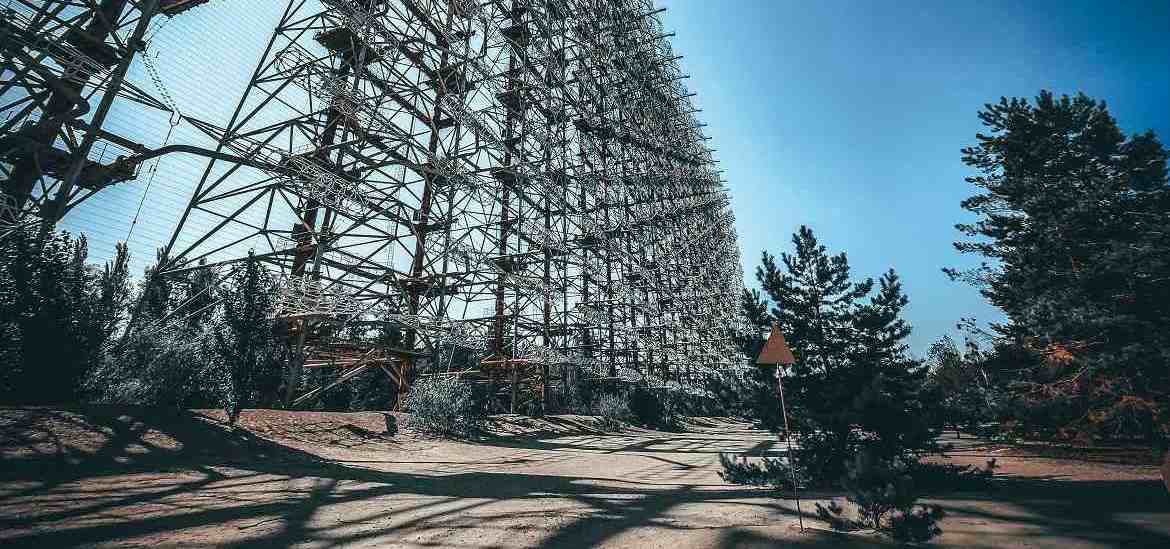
point(206, 474)
point(1133, 513)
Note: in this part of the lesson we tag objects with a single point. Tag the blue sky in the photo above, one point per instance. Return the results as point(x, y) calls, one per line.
point(849, 116)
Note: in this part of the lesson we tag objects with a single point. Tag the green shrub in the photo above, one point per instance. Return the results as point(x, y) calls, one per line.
point(656, 407)
point(57, 314)
point(772, 472)
point(883, 494)
point(916, 525)
point(877, 487)
point(444, 407)
point(837, 517)
point(164, 370)
point(947, 477)
point(613, 409)
point(575, 394)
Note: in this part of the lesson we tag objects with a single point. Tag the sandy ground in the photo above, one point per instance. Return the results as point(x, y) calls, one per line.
point(126, 478)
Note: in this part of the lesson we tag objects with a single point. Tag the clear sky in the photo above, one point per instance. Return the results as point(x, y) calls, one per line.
point(849, 116)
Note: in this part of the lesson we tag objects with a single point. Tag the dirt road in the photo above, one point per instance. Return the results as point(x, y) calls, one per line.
point(109, 478)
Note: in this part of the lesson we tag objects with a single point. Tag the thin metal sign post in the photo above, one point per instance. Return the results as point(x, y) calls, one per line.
point(788, 439)
point(777, 353)
point(1166, 471)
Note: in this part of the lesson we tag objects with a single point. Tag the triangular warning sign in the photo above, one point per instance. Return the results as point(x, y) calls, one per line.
point(776, 350)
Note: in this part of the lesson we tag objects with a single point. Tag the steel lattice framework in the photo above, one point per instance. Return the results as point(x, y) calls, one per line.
point(63, 66)
point(522, 180)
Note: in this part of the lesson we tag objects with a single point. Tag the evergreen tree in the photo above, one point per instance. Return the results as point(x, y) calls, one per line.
point(254, 360)
point(755, 310)
point(754, 392)
point(815, 301)
point(890, 401)
point(167, 359)
point(56, 314)
point(1074, 218)
point(962, 385)
point(854, 384)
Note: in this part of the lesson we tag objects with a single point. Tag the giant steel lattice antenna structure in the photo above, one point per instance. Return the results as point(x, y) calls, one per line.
point(519, 183)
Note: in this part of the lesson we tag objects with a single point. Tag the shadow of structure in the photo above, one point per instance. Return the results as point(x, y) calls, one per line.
point(186, 480)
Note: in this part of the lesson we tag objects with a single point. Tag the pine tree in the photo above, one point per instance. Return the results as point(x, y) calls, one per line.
point(815, 300)
point(114, 291)
point(1075, 221)
point(963, 385)
point(854, 384)
point(244, 341)
point(755, 310)
point(889, 403)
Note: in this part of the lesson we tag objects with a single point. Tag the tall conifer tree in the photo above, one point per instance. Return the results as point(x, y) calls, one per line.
point(1074, 219)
